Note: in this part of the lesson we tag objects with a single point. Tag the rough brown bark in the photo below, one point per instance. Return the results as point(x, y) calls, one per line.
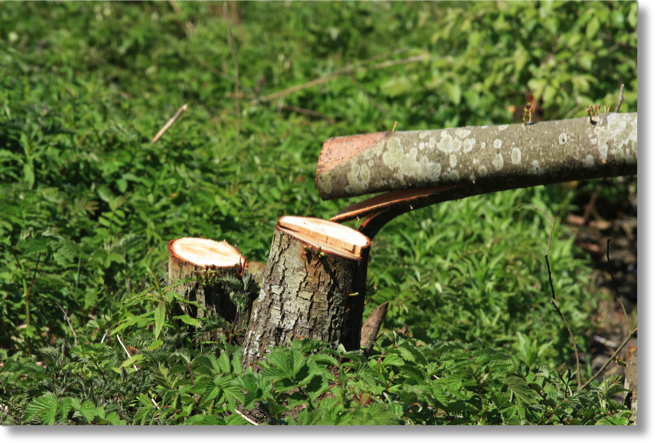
point(631, 380)
point(309, 290)
point(372, 327)
point(194, 260)
point(540, 153)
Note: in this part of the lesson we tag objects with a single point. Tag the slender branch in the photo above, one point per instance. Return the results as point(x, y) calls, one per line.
point(552, 287)
point(104, 336)
point(625, 342)
point(68, 321)
point(163, 130)
point(550, 237)
point(235, 56)
point(309, 112)
point(342, 72)
point(193, 383)
point(216, 71)
point(618, 105)
point(175, 7)
point(27, 303)
point(125, 349)
point(246, 418)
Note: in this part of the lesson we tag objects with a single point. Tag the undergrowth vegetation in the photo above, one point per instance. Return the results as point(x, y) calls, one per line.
point(88, 205)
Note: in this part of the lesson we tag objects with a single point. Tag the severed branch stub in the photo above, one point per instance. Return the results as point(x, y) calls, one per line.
point(310, 287)
point(372, 327)
point(543, 153)
point(208, 263)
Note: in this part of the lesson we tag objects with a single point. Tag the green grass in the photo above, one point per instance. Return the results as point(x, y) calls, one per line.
point(85, 86)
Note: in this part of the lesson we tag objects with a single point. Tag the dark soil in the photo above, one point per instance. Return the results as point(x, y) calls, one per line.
point(615, 218)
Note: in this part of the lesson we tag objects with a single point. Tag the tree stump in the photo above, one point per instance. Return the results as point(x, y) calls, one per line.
point(206, 260)
point(630, 383)
point(309, 287)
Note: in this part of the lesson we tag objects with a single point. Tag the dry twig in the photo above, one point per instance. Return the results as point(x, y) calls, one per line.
point(163, 130)
point(69, 322)
point(235, 56)
point(125, 349)
point(246, 418)
point(625, 342)
point(618, 105)
point(552, 289)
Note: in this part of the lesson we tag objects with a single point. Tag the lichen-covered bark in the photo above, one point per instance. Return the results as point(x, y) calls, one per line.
point(543, 153)
point(303, 295)
point(214, 299)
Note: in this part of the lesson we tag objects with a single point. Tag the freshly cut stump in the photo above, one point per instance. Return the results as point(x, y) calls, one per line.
point(204, 260)
point(309, 288)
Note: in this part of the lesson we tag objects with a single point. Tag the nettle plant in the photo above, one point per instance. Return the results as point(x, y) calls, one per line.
point(402, 381)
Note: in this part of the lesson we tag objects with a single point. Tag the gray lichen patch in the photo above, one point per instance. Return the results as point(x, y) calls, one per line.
point(516, 156)
point(453, 160)
point(498, 162)
point(451, 175)
point(498, 143)
point(423, 169)
point(469, 144)
point(482, 170)
point(503, 127)
point(355, 184)
point(325, 183)
point(448, 144)
point(589, 161)
point(535, 166)
point(562, 138)
point(619, 130)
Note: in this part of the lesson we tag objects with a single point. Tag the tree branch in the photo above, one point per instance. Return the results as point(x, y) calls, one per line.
point(618, 105)
point(625, 342)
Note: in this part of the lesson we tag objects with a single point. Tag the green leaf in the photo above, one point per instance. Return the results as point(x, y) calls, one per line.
point(188, 320)
point(160, 315)
point(454, 92)
point(132, 360)
point(155, 344)
point(44, 407)
point(592, 28)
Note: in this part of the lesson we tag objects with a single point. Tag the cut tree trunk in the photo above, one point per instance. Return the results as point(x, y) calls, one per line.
point(630, 383)
point(310, 287)
point(204, 261)
point(538, 154)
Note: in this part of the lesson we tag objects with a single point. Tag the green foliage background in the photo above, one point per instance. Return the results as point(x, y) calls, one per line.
point(85, 86)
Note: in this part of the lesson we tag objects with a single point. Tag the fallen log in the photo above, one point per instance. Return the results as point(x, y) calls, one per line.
point(540, 153)
point(309, 289)
point(207, 263)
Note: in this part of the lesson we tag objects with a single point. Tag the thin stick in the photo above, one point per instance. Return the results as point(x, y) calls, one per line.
point(309, 112)
point(235, 56)
point(618, 105)
point(175, 7)
point(554, 302)
point(103, 337)
point(340, 73)
point(215, 71)
point(616, 288)
point(549, 218)
point(246, 418)
point(625, 342)
point(69, 321)
point(27, 302)
point(125, 349)
point(552, 288)
point(163, 130)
